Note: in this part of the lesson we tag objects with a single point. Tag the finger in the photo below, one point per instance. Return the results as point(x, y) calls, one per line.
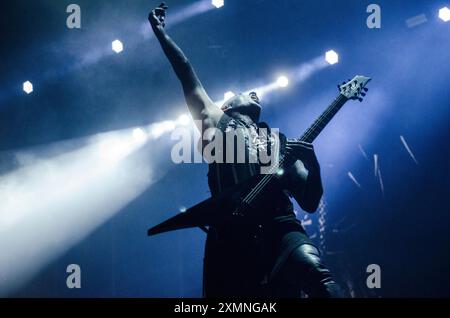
point(295, 153)
point(300, 152)
point(299, 149)
point(306, 144)
point(153, 14)
point(303, 147)
point(153, 18)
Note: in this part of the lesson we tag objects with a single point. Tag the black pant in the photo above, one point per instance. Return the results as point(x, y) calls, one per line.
point(243, 265)
point(304, 271)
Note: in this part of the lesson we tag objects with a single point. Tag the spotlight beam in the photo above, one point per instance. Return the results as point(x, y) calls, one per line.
point(49, 205)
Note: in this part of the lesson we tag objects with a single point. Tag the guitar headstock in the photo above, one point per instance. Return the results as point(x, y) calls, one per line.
point(355, 88)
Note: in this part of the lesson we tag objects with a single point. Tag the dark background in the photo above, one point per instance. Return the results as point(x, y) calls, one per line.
point(405, 230)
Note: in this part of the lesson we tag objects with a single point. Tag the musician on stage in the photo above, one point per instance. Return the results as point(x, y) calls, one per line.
point(272, 256)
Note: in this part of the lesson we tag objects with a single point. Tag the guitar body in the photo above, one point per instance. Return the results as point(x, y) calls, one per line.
point(224, 208)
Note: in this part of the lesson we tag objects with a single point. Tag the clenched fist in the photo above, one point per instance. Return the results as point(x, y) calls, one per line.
point(157, 16)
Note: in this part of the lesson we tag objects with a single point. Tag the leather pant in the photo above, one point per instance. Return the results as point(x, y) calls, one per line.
point(304, 271)
point(238, 263)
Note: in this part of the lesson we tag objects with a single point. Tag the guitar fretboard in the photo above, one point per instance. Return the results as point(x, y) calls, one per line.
point(319, 124)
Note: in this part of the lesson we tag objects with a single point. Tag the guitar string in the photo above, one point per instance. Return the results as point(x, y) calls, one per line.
point(255, 191)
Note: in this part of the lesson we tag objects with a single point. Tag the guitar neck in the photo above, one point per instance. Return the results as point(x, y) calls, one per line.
point(319, 124)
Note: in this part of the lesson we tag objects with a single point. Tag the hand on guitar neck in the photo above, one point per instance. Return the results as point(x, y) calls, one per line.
point(303, 180)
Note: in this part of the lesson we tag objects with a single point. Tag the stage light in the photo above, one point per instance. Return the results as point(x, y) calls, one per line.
point(228, 95)
point(27, 87)
point(157, 130)
point(282, 81)
point(183, 120)
point(117, 46)
point(139, 135)
point(444, 14)
point(331, 57)
point(160, 128)
point(168, 125)
point(217, 3)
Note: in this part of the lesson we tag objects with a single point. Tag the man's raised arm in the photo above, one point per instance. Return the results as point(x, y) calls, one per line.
point(199, 104)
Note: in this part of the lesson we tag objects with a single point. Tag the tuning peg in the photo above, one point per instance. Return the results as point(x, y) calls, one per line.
point(343, 83)
point(339, 86)
point(365, 89)
point(363, 94)
point(360, 99)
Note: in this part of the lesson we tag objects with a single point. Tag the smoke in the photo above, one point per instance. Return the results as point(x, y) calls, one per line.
point(50, 203)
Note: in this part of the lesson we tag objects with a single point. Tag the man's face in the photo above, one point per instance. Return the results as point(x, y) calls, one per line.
point(247, 104)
